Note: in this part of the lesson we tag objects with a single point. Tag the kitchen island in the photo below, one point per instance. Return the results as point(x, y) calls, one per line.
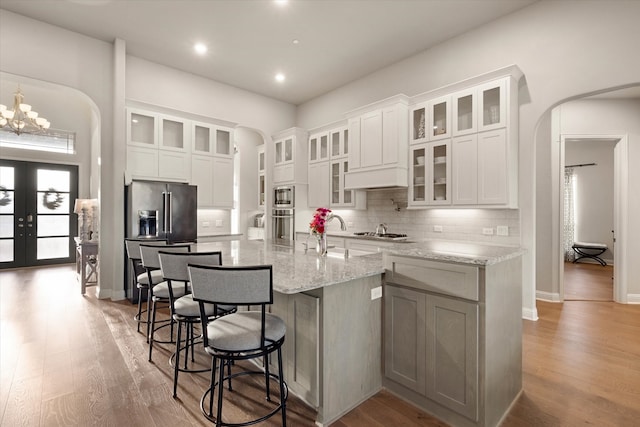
point(342, 345)
point(332, 351)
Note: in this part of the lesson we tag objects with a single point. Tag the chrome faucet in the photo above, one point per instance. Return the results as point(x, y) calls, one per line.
point(343, 226)
point(381, 229)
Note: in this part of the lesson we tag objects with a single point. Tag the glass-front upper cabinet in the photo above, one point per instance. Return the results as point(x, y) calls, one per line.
point(208, 139)
point(439, 176)
point(261, 159)
point(339, 142)
point(419, 123)
point(440, 118)
point(224, 142)
point(430, 174)
point(340, 196)
point(319, 147)
point(142, 128)
point(492, 108)
point(418, 171)
point(464, 112)
point(172, 133)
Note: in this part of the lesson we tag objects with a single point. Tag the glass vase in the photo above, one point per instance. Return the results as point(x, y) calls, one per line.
point(321, 244)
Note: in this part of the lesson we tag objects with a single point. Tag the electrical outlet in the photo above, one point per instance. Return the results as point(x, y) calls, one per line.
point(205, 224)
point(376, 293)
point(488, 231)
point(218, 223)
point(437, 229)
point(502, 230)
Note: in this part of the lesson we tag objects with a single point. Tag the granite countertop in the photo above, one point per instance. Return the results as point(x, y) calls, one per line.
point(295, 270)
point(455, 251)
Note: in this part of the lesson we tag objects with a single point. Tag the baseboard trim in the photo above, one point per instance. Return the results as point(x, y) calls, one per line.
point(633, 298)
point(117, 295)
point(530, 313)
point(548, 296)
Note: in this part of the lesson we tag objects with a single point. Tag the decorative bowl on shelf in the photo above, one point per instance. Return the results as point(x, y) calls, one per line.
point(441, 180)
point(420, 160)
point(439, 160)
point(419, 180)
point(439, 198)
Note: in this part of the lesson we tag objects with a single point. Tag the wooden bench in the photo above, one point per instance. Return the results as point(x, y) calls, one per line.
point(594, 250)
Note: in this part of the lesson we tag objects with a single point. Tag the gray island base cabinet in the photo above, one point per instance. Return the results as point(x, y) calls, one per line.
point(453, 337)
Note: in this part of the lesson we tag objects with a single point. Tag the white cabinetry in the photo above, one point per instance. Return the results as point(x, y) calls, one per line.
point(318, 185)
point(378, 145)
point(430, 174)
point(328, 164)
point(157, 146)
point(214, 178)
point(290, 157)
point(480, 127)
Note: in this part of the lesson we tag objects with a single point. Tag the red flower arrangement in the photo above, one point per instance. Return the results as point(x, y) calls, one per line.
point(316, 226)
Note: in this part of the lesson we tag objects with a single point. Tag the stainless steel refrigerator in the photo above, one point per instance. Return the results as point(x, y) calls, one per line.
point(159, 210)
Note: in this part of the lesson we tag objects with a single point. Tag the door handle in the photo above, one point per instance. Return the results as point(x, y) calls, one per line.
point(29, 220)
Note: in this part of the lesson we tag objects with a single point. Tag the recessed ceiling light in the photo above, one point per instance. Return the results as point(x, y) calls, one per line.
point(280, 77)
point(281, 2)
point(295, 41)
point(200, 48)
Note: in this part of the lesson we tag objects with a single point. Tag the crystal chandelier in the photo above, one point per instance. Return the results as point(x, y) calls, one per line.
point(21, 119)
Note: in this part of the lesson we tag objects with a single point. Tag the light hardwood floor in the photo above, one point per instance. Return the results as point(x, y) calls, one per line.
point(69, 360)
point(589, 282)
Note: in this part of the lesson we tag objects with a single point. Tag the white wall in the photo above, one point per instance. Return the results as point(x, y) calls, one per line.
point(594, 191)
point(67, 110)
point(33, 49)
point(565, 49)
point(592, 117)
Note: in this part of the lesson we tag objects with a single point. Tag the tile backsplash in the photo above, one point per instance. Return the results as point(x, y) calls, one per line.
point(456, 224)
point(213, 221)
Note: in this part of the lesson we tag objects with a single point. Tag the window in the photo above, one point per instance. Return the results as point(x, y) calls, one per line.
point(55, 141)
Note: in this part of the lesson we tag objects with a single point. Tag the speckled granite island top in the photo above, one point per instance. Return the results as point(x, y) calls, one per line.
point(458, 252)
point(295, 270)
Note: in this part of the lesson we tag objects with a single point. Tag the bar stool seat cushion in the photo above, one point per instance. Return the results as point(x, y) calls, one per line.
point(156, 277)
point(161, 290)
point(185, 306)
point(240, 331)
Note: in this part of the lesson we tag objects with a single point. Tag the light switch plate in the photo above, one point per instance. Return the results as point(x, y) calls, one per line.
point(376, 293)
point(488, 231)
point(205, 224)
point(437, 229)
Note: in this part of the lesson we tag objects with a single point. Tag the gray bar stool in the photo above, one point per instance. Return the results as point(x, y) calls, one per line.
point(243, 335)
point(185, 310)
point(159, 293)
point(140, 275)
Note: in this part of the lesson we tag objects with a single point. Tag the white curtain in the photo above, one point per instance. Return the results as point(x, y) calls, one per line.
point(569, 214)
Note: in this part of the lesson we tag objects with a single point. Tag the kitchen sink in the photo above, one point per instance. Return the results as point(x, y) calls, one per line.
point(385, 236)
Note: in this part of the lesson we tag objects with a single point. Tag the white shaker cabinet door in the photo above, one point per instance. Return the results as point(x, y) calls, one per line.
point(492, 167)
point(223, 182)
point(465, 170)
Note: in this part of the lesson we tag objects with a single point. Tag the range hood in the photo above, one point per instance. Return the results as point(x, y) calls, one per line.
point(389, 177)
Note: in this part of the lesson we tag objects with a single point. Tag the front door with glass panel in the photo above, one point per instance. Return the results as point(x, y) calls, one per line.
point(37, 224)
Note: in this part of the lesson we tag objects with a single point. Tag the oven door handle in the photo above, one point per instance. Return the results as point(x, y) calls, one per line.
point(281, 216)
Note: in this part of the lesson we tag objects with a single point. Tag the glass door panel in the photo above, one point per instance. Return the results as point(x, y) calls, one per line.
point(419, 174)
point(335, 183)
point(288, 150)
point(223, 142)
point(347, 194)
point(36, 206)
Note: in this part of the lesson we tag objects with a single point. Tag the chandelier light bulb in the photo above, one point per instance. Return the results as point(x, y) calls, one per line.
point(25, 108)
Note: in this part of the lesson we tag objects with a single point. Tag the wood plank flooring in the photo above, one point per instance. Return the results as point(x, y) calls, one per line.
point(589, 282)
point(69, 360)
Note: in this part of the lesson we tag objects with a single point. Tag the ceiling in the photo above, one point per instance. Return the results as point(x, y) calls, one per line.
point(249, 41)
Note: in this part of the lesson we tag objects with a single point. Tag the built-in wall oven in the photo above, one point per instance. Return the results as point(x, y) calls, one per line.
point(284, 197)
point(283, 224)
point(283, 213)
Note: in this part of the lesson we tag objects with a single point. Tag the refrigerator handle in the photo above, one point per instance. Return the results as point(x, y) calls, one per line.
point(168, 213)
